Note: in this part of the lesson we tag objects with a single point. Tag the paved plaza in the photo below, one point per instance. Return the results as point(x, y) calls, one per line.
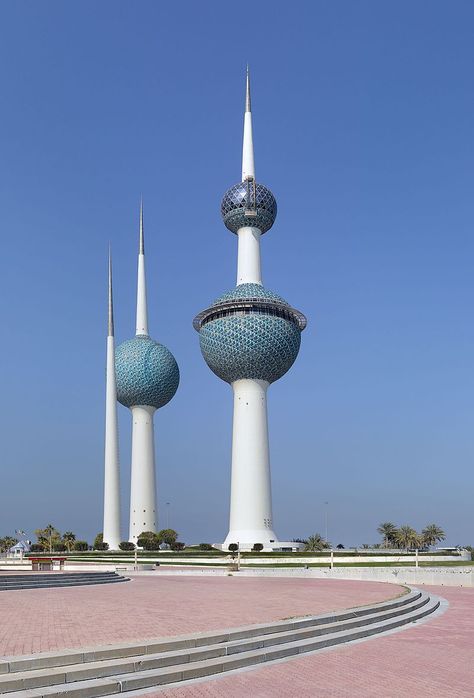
point(433, 659)
point(155, 606)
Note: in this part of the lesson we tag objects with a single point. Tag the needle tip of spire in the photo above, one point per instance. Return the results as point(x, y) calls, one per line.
point(142, 238)
point(248, 105)
point(111, 304)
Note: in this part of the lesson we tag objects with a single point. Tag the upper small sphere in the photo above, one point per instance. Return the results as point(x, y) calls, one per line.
point(146, 373)
point(248, 197)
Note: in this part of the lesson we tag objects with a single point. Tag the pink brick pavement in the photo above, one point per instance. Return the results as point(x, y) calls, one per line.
point(432, 660)
point(49, 619)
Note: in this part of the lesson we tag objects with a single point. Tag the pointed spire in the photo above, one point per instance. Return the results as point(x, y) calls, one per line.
point(141, 249)
point(110, 327)
point(248, 103)
point(248, 165)
point(142, 311)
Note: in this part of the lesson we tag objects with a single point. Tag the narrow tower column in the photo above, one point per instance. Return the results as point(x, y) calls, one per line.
point(248, 259)
point(251, 518)
point(143, 482)
point(111, 531)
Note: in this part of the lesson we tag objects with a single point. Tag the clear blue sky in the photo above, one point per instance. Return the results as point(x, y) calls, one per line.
point(363, 125)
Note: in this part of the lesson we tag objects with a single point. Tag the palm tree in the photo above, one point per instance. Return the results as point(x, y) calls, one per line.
point(6, 543)
point(47, 536)
point(68, 540)
point(431, 534)
point(407, 537)
point(388, 531)
point(316, 543)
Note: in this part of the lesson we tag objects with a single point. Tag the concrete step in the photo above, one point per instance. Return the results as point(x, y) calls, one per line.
point(40, 575)
point(91, 670)
point(167, 644)
point(98, 678)
point(46, 581)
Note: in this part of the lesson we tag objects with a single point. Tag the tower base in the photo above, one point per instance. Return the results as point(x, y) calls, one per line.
point(269, 545)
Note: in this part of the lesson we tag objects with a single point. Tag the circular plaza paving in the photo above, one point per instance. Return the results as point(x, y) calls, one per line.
point(155, 606)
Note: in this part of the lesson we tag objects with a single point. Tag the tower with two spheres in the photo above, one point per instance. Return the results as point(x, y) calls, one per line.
point(250, 337)
point(142, 375)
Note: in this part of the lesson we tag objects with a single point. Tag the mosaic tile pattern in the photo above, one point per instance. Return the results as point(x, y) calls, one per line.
point(146, 371)
point(242, 197)
point(250, 346)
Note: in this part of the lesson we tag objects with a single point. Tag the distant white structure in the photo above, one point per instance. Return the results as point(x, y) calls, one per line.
point(19, 549)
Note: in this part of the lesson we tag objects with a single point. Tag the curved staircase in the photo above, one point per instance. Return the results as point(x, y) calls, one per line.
point(126, 667)
point(47, 580)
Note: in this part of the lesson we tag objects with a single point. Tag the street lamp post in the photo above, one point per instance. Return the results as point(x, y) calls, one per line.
point(326, 520)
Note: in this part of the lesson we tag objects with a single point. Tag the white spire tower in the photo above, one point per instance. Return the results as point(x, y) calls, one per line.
point(143, 509)
point(147, 379)
point(111, 531)
point(248, 164)
point(248, 261)
point(249, 338)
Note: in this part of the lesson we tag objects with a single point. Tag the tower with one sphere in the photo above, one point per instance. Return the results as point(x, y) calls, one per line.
point(147, 378)
point(250, 337)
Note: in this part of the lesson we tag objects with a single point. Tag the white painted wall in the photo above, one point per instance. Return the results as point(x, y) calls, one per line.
point(251, 518)
point(142, 314)
point(143, 513)
point(248, 163)
point(248, 259)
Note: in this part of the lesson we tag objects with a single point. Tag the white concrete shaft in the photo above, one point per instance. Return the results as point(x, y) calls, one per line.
point(143, 515)
point(248, 259)
point(111, 529)
point(142, 313)
point(251, 496)
point(248, 164)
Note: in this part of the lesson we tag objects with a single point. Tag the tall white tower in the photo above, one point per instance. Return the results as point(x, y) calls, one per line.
point(147, 379)
point(250, 337)
point(112, 466)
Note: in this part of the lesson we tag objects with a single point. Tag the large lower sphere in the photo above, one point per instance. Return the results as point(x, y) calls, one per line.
point(250, 346)
point(146, 373)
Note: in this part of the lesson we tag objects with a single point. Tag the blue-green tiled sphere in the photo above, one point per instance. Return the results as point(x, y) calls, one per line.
point(258, 342)
point(244, 196)
point(146, 373)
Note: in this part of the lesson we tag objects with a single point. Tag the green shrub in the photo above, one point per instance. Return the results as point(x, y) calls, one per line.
point(205, 546)
point(257, 547)
point(177, 546)
point(101, 545)
point(233, 547)
point(81, 545)
point(168, 536)
point(126, 545)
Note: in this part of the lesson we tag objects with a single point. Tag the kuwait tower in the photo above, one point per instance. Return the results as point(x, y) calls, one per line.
point(112, 470)
point(147, 378)
point(250, 337)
